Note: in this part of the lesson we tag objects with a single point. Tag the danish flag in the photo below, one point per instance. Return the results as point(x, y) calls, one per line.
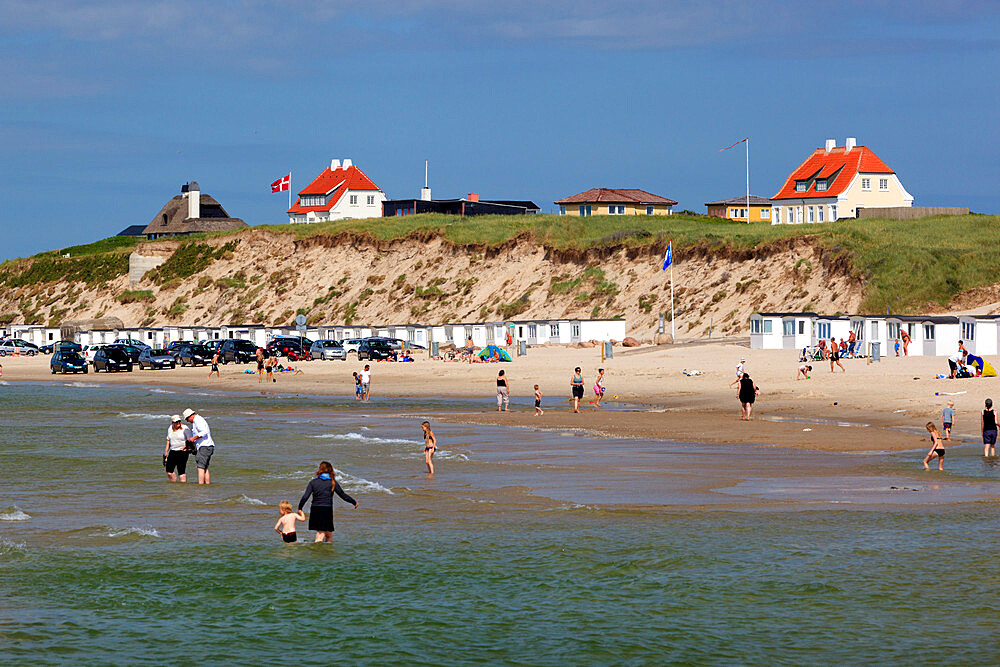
point(282, 183)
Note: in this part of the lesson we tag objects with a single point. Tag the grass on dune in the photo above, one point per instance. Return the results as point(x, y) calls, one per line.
point(906, 264)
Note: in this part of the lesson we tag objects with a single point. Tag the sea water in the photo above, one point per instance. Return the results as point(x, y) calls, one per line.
point(527, 546)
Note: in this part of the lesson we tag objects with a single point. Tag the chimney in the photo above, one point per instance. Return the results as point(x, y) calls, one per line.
point(473, 196)
point(347, 163)
point(830, 144)
point(334, 165)
point(850, 144)
point(194, 200)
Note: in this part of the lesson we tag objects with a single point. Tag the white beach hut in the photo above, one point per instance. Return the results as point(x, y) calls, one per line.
point(979, 334)
point(766, 331)
point(940, 335)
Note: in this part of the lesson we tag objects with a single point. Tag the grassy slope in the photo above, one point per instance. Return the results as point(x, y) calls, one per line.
point(906, 264)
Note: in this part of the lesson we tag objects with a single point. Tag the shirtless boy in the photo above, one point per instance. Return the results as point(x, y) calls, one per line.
point(430, 446)
point(286, 524)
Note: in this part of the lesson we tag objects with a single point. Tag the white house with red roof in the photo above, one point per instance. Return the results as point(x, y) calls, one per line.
point(339, 193)
point(835, 182)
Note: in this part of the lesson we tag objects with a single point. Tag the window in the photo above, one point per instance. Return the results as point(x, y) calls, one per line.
point(800, 186)
point(755, 326)
point(883, 184)
point(575, 331)
point(819, 213)
point(554, 331)
point(765, 214)
point(866, 184)
point(823, 330)
point(791, 216)
point(788, 328)
point(585, 209)
point(892, 329)
point(650, 210)
point(821, 186)
point(314, 200)
point(767, 326)
point(928, 332)
point(562, 209)
point(812, 216)
point(802, 326)
point(875, 330)
point(371, 199)
point(732, 213)
point(498, 331)
point(532, 331)
point(968, 330)
point(616, 209)
point(833, 211)
point(354, 200)
point(761, 325)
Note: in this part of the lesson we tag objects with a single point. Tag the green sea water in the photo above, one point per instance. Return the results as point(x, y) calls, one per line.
point(527, 547)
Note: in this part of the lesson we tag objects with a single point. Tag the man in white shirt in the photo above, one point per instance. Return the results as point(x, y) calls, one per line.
point(954, 361)
point(201, 437)
point(366, 382)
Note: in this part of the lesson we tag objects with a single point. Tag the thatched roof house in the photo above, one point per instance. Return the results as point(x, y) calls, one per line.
point(190, 212)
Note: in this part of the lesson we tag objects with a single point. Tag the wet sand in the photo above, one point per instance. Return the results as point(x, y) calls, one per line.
point(883, 406)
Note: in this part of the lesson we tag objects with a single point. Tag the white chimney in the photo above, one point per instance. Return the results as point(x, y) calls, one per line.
point(194, 200)
point(830, 144)
point(850, 144)
point(334, 165)
point(347, 162)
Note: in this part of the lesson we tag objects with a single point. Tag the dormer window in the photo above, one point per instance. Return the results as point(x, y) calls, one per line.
point(163, 220)
point(800, 186)
point(314, 200)
point(821, 186)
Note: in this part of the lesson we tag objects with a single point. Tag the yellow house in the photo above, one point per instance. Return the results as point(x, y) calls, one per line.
point(736, 209)
point(615, 201)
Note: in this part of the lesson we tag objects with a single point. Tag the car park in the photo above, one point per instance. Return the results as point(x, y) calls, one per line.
point(67, 361)
point(375, 349)
point(17, 346)
point(237, 350)
point(153, 359)
point(193, 355)
point(112, 358)
point(327, 349)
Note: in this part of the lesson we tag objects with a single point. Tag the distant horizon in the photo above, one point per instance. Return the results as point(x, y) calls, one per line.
point(111, 106)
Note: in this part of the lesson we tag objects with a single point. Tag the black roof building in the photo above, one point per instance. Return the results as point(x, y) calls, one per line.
point(471, 206)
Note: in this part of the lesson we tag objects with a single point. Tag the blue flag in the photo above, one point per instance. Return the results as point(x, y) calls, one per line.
point(668, 259)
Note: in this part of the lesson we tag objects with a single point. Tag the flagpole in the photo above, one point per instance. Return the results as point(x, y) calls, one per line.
point(748, 180)
point(289, 189)
point(672, 339)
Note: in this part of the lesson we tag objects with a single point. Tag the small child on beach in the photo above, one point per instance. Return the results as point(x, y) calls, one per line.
point(937, 447)
point(357, 386)
point(948, 419)
point(599, 388)
point(286, 524)
point(897, 347)
point(538, 402)
point(803, 371)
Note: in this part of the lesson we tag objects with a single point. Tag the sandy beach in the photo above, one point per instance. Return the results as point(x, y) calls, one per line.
point(879, 406)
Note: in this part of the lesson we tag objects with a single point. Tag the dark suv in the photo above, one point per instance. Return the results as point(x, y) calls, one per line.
point(281, 346)
point(192, 355)
point(237, 351)
point(112, 358)
point(376, 349)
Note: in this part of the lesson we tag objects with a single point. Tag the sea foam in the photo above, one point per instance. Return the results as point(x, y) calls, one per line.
point(352, 483)
point(14, 513)
point(141, 415)
point(359, 437)
point(127, 532)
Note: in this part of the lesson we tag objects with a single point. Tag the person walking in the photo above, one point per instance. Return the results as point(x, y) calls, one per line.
point(988, 425)
point(835, 355)
point(430, 446)
point(215, 366)
point(503, 393)
point(176, 453)
point(201, 438)
point(937, 447)
point(747, 395)
point(321, 489)
point(366, 383)
point(576, 386)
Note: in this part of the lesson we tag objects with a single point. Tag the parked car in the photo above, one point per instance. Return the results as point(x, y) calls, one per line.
point(327, 349)
point(67, 361)
point(237, 350)
point(351, 344)
point(11, 346)
point(153, 359)
point(60, 345)
point(175, 345)
point(132, 351)
point(112, 358)
point(212, 345)
point(193, 355)
point(132, 342)
point(375, 349)
point(280, 345)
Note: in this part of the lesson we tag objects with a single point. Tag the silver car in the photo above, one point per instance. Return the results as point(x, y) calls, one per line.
point(327, 349)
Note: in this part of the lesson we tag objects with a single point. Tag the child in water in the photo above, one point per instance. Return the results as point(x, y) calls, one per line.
point(538, 402)
point(430, 446)
point(286, 524)
point(937, 447)
point(948, 419)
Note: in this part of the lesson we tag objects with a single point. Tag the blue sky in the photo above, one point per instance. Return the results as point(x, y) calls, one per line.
point(109, 106)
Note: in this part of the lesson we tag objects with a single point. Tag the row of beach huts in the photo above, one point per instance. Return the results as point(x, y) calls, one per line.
point(533, 332)
point(930, 335)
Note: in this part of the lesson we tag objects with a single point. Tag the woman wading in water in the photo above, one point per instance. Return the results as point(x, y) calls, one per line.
point(321, 488)
point(576, 385)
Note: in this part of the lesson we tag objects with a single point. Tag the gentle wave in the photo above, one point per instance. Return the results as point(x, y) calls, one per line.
point(162, 391)
point(352, 483)
point(89, 385)
point(141, 415)
point(242, 499)
point(115, 533)
point(8, 548)
point(14, 513)
point(358, 437)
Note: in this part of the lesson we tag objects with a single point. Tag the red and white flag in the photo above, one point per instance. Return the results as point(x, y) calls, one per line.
point(281, 184)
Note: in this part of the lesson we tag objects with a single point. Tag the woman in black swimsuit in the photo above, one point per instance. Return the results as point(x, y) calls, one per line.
point(321, 488)
point(748, 394)
point(937, 447)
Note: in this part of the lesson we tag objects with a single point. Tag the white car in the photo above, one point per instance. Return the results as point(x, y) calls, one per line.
point(351, 344)
point(90, 350)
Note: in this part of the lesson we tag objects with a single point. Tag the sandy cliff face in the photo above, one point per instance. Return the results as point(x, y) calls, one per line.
point(262, 277)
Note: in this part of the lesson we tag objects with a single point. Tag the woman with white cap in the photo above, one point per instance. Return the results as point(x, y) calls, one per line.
point(175, 454)
point(201, 438)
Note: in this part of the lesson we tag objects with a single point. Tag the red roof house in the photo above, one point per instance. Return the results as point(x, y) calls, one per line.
point(343, 191)
point(615, 201)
